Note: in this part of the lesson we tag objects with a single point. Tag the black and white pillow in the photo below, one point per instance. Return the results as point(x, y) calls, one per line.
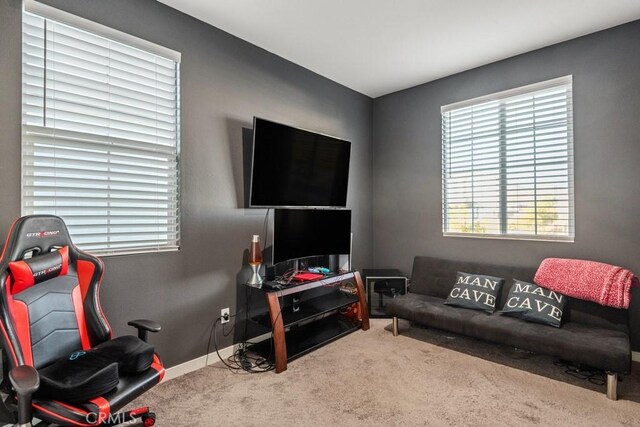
point(475, 291)
point(534, 303)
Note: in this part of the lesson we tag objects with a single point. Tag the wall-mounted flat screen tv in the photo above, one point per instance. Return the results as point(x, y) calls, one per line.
point(297, 168)
point(302, 233)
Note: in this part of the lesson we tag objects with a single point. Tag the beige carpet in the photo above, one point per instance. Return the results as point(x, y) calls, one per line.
point(423, 377)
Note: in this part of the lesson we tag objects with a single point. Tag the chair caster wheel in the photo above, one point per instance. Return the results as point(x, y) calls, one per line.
point(149, 419)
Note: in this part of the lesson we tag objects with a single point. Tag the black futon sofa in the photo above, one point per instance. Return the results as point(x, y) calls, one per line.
point(590, 334)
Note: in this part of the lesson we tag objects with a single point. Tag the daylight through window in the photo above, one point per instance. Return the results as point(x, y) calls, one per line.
point(507, 164)
point(100, 141)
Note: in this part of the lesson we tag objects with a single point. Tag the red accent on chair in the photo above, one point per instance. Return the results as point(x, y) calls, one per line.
point(85, 273)
point(104, 409)
point(104, 318)
point(25, 236)
point(86, 270)
point(157, 365)
point(64, 253)
point(22, 276)
point(82, 324)
point(139, 411)
point(60, 417)
point(20, 313)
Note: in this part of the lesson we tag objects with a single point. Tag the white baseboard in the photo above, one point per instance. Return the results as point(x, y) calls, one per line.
point(197, 363)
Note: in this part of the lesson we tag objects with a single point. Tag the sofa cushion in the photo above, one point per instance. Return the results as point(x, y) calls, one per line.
point(602, 348)
point(475, 291)
point(431, 311)
point(534, 303)
point(433, 276)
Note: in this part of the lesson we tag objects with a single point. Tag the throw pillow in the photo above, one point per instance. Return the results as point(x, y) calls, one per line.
point(534, 303)
point(29, 272)
point(475, 291)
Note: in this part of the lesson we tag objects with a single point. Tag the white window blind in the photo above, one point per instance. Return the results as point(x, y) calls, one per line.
point(507, 164)
point(100, 141)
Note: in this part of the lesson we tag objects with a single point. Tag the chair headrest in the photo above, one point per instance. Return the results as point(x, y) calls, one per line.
point(33, 235)
point(38, 269)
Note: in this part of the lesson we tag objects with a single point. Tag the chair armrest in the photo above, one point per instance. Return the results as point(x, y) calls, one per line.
point(144, 325)
point(26, 381)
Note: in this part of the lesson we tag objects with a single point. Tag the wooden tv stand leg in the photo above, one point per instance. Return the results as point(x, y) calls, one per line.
point(364, 310)
point(277, 325)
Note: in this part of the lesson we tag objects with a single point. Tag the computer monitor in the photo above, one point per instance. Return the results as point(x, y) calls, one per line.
point(302, 233)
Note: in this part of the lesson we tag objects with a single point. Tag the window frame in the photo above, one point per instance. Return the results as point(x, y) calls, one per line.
point(50, 13)
point(501, 97)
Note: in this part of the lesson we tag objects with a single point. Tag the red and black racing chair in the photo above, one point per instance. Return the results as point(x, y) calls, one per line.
point(63, 365)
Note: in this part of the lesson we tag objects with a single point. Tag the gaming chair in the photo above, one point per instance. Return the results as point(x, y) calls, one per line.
point(63, 365)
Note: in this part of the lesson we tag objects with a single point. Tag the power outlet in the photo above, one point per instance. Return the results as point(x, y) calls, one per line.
point(224, 315)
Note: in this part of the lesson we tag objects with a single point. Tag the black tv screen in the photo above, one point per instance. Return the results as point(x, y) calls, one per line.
point(297, 168)
point(301, 233)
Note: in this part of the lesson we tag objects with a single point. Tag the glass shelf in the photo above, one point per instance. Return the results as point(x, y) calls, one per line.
point(302, 339)
point(311, 308)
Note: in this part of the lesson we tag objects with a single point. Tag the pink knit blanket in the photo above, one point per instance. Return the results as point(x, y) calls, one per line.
point(588, 280)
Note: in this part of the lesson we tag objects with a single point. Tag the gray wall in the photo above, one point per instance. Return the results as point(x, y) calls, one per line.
point(407, 158)
point(225, 82)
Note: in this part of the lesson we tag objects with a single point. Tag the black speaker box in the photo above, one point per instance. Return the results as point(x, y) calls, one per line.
point(382, 285)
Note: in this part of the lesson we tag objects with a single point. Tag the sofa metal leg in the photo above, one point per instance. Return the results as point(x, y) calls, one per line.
point(612, 385)
point(395, 326)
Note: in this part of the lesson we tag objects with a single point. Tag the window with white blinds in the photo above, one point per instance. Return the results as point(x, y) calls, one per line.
point(100, 141)
point(507, 164)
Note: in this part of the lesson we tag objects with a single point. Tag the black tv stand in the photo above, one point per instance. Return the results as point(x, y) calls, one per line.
point(315, 322)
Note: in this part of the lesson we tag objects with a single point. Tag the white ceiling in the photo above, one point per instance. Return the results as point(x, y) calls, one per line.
point(380, 46)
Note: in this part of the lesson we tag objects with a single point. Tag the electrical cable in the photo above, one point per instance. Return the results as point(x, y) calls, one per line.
point(270, 365)
point(265, 226)
point(238, 355)
point(212, 331)
point(242, 349)
point(235, 361)
point(240, 359)
point(582, 372)
point(215, 343)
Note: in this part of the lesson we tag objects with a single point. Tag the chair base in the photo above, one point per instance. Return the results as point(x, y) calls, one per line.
point(148, 418)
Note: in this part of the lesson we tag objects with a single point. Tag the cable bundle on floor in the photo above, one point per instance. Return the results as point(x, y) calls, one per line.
point(582, 372)
point(241, 359)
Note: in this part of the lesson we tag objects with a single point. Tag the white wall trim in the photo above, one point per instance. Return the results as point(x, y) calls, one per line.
point(195, 364)
point(199, 362)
